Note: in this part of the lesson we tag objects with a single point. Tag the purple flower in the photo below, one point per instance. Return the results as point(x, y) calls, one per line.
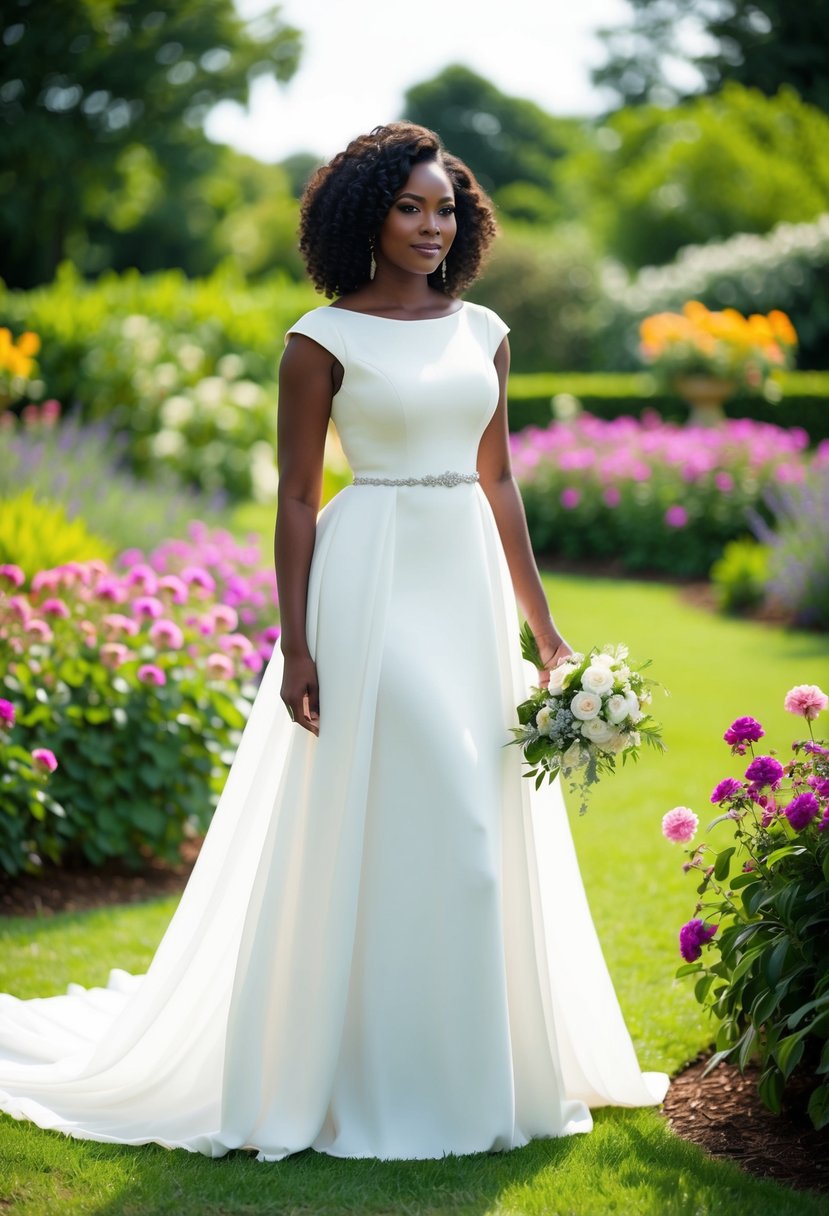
point(744, 730)
point(6, 714)
point(570, 497)
point(802, 810)
point(45, 760)
point(820, 785)
point(148, 605)
point(729, 788)
point(764, 770)
point(148, 673)
point(815, 749)
point(676, 516)
point(692, 937)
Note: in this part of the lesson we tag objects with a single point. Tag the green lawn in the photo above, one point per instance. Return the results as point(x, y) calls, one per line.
point(631, 1163)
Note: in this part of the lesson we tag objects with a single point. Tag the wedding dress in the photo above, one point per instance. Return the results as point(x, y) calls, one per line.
point(385, 948)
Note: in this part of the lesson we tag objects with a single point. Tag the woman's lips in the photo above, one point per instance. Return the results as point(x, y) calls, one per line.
point(427, 250)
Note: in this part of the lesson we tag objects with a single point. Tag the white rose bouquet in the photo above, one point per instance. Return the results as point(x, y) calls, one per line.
point(595, 708)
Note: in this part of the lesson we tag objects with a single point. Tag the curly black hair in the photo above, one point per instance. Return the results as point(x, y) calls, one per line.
point(346, 201)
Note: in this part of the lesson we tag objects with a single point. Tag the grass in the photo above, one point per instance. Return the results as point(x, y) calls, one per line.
point(631, 1163)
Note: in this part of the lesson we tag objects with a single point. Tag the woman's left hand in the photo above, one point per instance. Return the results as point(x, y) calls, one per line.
point(553, 650)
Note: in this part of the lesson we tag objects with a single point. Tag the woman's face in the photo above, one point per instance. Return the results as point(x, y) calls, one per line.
point(420, 227)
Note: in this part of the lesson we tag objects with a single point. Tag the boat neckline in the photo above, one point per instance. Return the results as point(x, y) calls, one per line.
point(399, 320)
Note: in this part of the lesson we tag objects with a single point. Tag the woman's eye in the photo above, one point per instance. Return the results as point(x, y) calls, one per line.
point(447, 210)
point(407, 207)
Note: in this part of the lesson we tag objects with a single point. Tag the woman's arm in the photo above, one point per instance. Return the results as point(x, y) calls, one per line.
point(501, 489)
point(306, 386)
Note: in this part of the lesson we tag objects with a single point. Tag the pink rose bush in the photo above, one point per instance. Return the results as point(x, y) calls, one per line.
point(652, 494)
point(762, 914)
point(126, 685)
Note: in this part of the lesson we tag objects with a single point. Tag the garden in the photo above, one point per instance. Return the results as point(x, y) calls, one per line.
point(669, 434)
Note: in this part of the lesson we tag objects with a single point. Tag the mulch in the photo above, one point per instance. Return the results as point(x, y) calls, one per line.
point(722, 1113)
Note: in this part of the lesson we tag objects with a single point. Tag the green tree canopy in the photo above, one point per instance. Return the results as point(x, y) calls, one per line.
point(509, 143)
point(101, 112)
point(759, 43)
point(652, 180)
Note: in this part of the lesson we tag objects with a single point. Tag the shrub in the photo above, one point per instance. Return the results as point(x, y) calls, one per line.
point(138, 677)
point(798, 543)
point(37, 533)
point(82, 466)
point(649, 494)
point(765, 976)
point(739, 576)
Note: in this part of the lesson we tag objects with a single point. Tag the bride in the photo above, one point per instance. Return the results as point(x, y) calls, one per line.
point(385, 949)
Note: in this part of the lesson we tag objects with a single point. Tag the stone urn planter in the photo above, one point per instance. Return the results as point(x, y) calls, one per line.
point(705, 395)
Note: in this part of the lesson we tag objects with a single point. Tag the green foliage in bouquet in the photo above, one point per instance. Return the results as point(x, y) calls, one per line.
point(765, 903)
point(593, 710)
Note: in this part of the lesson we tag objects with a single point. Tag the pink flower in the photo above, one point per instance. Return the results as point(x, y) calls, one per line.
point(39, 629)
point(148, 605)
point(20, 607)
point(197, 576)
point(253, 661)
point(802, 810)
point(225, 617)
point(679, 825)
point(115, 623)
point(729, 788)
point(6, 714)
point(108, 587)
point(167, 633)
point(12, 574)
point(148, 673)
point(742, 731)
point(219, 666)
point(46, 580)
point(235, 643)
point(143, 574)
point(570, 497)
point(724, 482)
point(611, 496)
point(692, 937)
point(807, 700)
point(113, 654)
point(55, 607)
point(676, 516)
point(45, 760)
point(176, 586)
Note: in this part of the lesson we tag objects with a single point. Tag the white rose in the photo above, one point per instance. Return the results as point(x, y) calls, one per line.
point(585, 705)
point(597, 679)
point(617, 708)
point(574, 757)
point(634, 712)
point(602, 660)
point(597, 731)
point(616, 743)
point(543, 720)
point(559, 678)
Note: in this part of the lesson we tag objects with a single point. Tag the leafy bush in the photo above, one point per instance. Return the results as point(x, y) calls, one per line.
point(739, 576)
point(81, 466)
point(798, 543)
point(37, 533)
point(25, 800)
point(138, 678)
point(649, 494)
point(764, 898)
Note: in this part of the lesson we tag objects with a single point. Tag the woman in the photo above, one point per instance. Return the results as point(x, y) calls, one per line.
point(385, 948)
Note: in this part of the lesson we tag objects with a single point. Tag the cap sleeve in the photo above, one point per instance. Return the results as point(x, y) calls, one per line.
point(496, 330)
point(321, 325)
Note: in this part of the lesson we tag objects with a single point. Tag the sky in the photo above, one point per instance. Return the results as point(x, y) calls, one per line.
point(360, 56)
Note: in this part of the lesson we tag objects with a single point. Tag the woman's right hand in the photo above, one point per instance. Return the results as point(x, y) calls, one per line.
point(300, 691)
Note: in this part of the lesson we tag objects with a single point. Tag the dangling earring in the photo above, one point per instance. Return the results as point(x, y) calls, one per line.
point(372, 265)
point(443, 272)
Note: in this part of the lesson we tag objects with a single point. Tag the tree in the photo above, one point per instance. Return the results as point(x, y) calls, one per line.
point(510, 144)
point(734, 162)
point(101, 114)
point(673, 49)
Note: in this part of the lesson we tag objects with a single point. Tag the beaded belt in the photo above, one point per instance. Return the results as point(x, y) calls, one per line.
point(431, 479)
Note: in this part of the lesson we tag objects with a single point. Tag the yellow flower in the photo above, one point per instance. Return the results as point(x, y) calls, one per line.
point(28, 343)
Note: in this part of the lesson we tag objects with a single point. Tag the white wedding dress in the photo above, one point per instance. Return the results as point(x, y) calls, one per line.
point(385, 949)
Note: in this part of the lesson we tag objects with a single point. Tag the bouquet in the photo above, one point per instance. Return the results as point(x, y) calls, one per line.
point(761, 916)
point(594, 709)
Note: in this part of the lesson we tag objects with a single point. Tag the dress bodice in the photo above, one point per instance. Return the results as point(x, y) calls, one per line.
point(416, 396)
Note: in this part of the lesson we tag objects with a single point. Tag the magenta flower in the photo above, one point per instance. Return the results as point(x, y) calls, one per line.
point(692, 937)
point(149, 673)
point(820, 785)
point(110, 588)
point(679, 825)
point(807, 700)
point(115, 623)
point(176, 586)
point(764, 770)
point(12, 574)
point(219, 666)
point(253, 661)
point(148, 605)
point(6, 714)
point(55, 607)
point(743, 730)
point(45, 760)
point(144, 575)
point(729, 788)
point(166, 633)
point(197, 576)
point(802, 810)
point(570, 498)
point(611, 497)
point(235, 643)
point(39, 629)
point(676, 516)
point(113, 654)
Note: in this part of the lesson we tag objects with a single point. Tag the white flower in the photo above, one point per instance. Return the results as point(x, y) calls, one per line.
point(616, 708)
point(597, 679)
point(559, 679)
point(634, 712)
point(616, 743)
point(585, 705)
point(543, 720)
point(597, 731)
point(633, 738)
point(176, 411)
point(602, 660)
point(575, 756)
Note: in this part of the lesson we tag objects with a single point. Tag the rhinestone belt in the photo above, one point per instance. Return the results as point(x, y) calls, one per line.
point(431, 479)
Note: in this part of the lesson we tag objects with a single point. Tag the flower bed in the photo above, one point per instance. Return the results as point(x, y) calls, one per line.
point(650, 494)
point(136, 678)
